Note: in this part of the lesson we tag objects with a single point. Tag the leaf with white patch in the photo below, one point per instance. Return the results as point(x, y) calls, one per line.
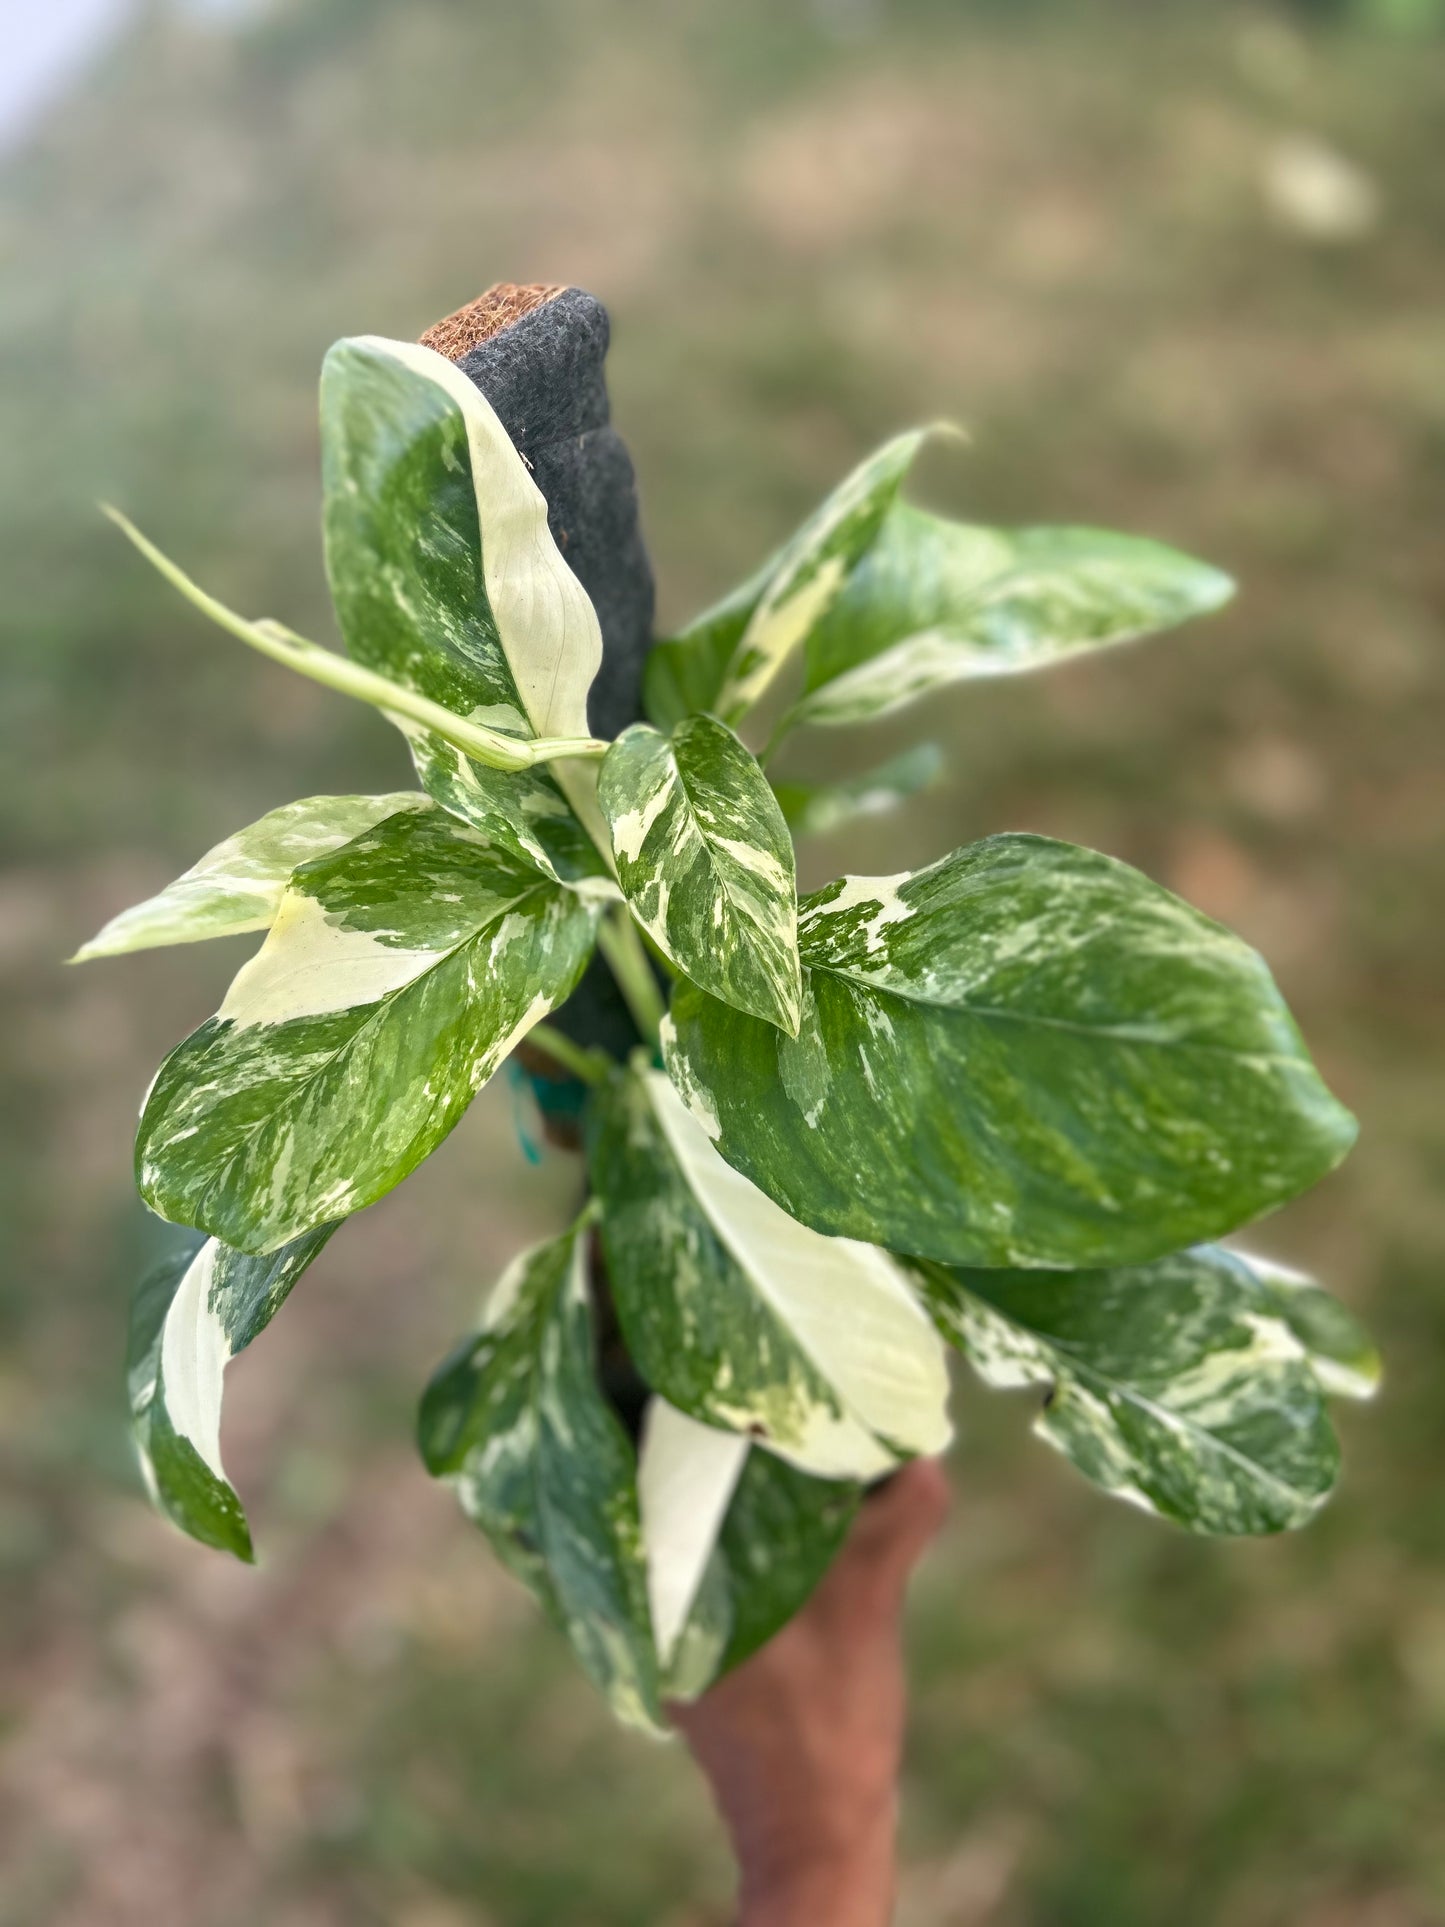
point(199, 1306)
point(446, 579)
point(812, 570)
point(936, 602)
point(1341, 1353)
point(686, 1474)
point(238, 885)
point(729, 657)
point(818, 809)
point(736, 1540)
point(743, 1318)
point(516, 1422)
point(1026, 1054)
point(705, 860)
point(1174, 1385)
point(400, 971)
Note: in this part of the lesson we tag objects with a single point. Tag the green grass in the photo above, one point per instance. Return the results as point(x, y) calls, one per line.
point(1046, 221)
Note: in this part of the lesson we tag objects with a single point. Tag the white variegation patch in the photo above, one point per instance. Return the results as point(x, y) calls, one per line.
point(845, 1304)
point(812, 571)
point(194, 1354)
point(238, 886)
point(686, 1475)
point(310, 965)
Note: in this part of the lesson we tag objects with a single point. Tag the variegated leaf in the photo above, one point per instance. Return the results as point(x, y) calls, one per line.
point(817, 809)
point(516, 1421)
point(1341, 1353)
point(937, 602)
point(686, 1474)
point(743, 1318)
point(813, 569)
point(399, 972)
point(1026, 1054)
point(238, 885)
point(199, 1306)
point(728, 657)
point(446, 579)
point(1174, 1385)
point(736, 1538)
point(706, 862)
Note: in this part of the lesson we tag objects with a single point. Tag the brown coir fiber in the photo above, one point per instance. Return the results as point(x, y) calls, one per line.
point(479, 320)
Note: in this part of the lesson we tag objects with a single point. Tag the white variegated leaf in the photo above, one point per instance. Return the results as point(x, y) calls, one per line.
point(192, 1313)
point(400, 971)
point(705, 860)
point(1025, 1054)
point(1341, 1353)
point(936, 602)
point(743, 1318)
point(446, 579)
point(517, 1422)
point(812, 570)
point(1175, 1385)
point(238, 885)
point(686, 1474)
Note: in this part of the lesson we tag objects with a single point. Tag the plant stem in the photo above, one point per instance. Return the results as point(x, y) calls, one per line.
point(621, 945)
point(591, 1066)
point(274, 639)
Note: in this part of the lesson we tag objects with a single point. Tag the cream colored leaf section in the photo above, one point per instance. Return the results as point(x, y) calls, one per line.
point(194, 1354)
point(546, 621)
point(238, 885)
point(309, 966)
point(846, 1304)
point(686, 1476)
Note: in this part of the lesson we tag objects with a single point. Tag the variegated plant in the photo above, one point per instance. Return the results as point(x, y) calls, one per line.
point(1009, 1102)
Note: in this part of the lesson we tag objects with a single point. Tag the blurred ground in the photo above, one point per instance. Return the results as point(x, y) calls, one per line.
point(1182, 268)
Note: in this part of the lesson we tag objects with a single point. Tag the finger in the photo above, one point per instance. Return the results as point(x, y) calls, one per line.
point(898, 1520)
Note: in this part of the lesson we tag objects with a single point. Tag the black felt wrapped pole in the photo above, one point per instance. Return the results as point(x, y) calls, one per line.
point(538, 354)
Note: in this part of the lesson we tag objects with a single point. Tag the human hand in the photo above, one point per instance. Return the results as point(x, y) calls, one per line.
point(802, 1744)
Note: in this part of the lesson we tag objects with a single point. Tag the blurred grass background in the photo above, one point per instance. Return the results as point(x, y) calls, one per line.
point(1182, 269)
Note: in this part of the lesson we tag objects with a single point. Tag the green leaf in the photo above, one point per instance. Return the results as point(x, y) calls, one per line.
point(817, 809)
point(705, 861)
point(192, 1312)
point(783, 1530)
point(1026, 1054)
point(399, 972)
point(740, 1316)
point(936, 602)
point(1175, 1385)
point(516, 1421)
point(446, 579)
point(737, 1540)
point(1341, 1353)
point(238, 885)
point(728, 658)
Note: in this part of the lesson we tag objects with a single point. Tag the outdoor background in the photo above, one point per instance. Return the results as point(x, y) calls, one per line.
point(1182, 270)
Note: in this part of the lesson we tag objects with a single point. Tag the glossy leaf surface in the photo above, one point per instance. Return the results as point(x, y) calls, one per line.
point(238, 885)
point(705, 860)
point(516, 1421)
point(193, 1311)
point(446, 578)
point(399, 972)
point(1174, 1385)
point(936, 602)
point(1027, 1054)
point(742, 1317)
